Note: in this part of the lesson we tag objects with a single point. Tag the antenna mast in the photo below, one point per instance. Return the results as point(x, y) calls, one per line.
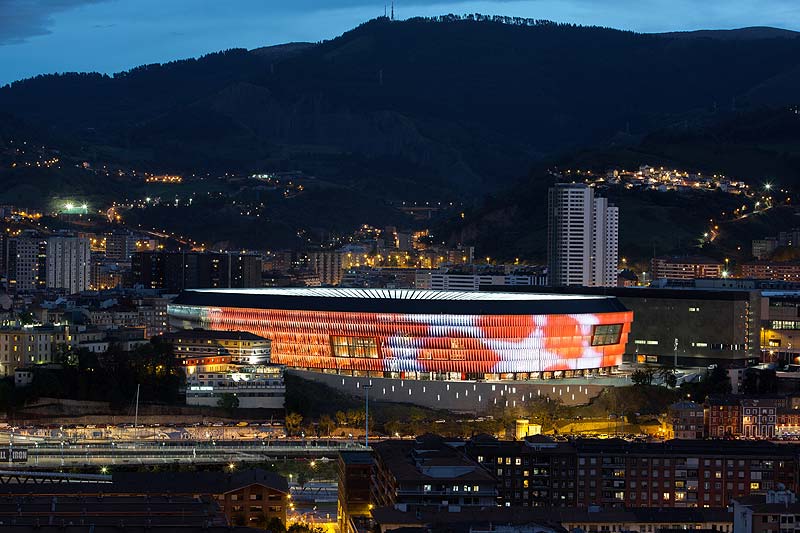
point(392, 10)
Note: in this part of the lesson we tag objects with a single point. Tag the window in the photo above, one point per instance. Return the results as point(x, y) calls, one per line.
point(354, 347)
point(603, 335)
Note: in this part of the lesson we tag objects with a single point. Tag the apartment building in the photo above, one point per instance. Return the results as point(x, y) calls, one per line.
point(427, 471)
point(582, 237)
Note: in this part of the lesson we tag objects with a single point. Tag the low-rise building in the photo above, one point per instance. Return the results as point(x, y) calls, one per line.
point(228, 362)
point(776, 512)
point(31, 345)
point(255, 387)
point(247, 497)
point(427, 471)
point(687, 420)
point(771, 270)
point(685, 268)
point(723, 417)
point(539, 520)
point(759, 416)
point(242, 346)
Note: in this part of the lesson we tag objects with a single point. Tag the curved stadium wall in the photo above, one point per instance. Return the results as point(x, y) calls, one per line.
point(410, 334)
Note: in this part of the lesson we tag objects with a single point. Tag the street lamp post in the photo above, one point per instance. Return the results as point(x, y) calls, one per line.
point(366, 388)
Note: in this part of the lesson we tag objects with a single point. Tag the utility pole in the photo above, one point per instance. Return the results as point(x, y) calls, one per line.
point(366, 388)
point(675, 363)
point(136, 416)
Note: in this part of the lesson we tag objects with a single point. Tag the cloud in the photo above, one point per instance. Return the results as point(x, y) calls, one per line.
point(23, 19)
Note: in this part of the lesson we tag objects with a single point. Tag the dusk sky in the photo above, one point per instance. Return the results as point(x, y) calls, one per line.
point(43, 36)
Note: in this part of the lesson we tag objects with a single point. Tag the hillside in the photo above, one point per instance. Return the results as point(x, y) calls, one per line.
point(450, 107)
point(751, 32)
point(760, 146)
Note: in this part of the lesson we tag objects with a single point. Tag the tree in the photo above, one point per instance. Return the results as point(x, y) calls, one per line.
point(229, 402)
point(643, 376)
point(669, 377)
point(326, 425)
point(275, 525)
point(293, 421)
point(341, 419)
point(392, 427)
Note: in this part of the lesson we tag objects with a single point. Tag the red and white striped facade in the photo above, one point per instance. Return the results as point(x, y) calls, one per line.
point(332, 337)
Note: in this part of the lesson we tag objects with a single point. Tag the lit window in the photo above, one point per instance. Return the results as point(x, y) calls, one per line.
point(754, 485)
point(354, 347)
point(603, 335)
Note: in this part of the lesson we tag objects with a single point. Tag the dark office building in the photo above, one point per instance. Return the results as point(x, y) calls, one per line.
point(175, 271)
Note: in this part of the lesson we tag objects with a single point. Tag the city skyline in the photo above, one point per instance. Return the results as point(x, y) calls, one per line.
point(114, 35)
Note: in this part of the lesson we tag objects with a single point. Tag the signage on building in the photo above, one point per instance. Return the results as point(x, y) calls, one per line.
point(14, 455)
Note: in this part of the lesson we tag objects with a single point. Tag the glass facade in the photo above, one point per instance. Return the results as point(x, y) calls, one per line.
point(440, 343)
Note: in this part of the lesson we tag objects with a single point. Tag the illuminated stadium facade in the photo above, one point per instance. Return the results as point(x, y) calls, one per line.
point(420, 334)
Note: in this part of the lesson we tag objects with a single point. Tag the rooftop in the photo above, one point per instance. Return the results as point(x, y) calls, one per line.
point(425, 460)
point(549, 516)
point(157, 483)
point(204, 334)
point(401, 301)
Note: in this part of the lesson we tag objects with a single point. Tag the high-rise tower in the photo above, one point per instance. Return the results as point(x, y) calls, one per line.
point(582, 237)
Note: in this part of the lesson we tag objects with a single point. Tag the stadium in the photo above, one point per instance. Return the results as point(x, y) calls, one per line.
point(420, 334)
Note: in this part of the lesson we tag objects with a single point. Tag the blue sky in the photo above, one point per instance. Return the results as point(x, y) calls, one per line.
point(43, 36)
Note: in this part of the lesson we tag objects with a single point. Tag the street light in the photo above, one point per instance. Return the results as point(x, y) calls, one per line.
point(366, 388)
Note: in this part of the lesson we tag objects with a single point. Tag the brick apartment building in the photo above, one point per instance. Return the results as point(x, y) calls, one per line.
point(429, 471)
point(616, 473)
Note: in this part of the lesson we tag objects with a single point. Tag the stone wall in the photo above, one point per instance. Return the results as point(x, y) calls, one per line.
point(459, 396)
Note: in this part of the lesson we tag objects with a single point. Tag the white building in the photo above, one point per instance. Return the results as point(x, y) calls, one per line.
point(445, 281)
point(68, 263)
point(26, 261)
point(327, 266)
point(256, 387)
point(582, 237)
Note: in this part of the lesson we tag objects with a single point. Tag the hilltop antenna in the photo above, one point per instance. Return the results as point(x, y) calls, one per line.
point(384, 10)
point(392, 10)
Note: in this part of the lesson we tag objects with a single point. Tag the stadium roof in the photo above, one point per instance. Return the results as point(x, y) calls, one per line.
point(401, 301)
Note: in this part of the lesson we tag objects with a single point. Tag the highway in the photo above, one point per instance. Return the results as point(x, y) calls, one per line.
point(56, 455)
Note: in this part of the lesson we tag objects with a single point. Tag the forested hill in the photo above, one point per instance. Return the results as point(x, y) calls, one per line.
point(451, 105)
